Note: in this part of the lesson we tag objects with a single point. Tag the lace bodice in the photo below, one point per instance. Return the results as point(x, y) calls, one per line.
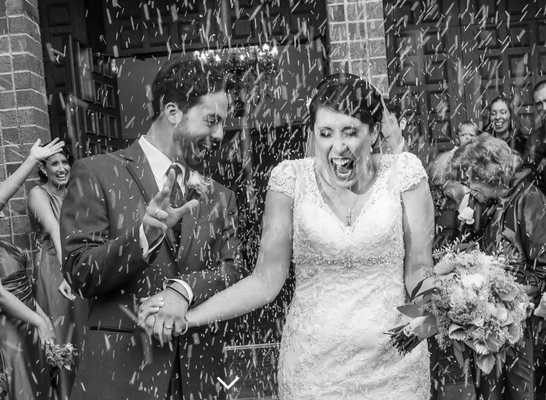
point(349, 281)
point(328, 241)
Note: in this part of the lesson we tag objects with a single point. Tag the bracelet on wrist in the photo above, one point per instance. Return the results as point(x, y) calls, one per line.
point(180, 293)
point(187, 325)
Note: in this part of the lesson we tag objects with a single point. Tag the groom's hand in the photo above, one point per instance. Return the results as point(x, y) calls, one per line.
point(166, 321)
point(160, 216)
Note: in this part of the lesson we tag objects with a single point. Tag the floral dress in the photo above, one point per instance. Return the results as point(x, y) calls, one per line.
point(349, 281)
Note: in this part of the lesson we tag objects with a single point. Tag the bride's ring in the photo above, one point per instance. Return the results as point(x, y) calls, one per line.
point(167, 327)
point(155, 214)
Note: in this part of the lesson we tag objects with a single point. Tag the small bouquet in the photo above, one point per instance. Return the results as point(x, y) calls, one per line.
point(478, 307)
point(4, 382)
point(59, 357)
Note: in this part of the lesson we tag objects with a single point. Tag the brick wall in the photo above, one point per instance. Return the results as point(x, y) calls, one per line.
point(357, 39)
point(23, 107)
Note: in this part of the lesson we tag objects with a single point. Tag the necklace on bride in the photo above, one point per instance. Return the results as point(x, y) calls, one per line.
point(349, 214)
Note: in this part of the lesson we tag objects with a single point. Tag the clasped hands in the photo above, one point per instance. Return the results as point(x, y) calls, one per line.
point(163, 315)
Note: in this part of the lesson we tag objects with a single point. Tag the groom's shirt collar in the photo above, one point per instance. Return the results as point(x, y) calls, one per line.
point(159, 162)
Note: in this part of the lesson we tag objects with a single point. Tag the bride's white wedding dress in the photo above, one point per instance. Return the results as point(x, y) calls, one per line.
point(349, 281)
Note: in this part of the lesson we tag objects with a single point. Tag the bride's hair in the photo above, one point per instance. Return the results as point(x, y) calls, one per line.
point(347, 94)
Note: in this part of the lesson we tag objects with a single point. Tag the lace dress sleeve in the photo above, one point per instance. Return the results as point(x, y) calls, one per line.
point(409, 170)
point(283, 178)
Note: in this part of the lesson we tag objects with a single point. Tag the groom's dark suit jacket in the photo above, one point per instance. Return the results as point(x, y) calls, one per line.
point(100, 220)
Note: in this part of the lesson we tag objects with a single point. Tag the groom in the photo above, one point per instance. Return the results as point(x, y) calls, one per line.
point(124, 238)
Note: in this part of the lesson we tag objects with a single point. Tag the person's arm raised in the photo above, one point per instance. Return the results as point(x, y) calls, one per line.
point(37, 154)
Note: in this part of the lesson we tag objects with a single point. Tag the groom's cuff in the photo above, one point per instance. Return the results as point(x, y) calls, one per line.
point(185, 285)
point(145, 248)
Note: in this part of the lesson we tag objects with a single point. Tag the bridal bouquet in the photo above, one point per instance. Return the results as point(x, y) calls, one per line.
point(59, 357)
point(477, 305)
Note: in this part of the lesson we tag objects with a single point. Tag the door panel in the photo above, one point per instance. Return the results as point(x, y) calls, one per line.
point(463, 54)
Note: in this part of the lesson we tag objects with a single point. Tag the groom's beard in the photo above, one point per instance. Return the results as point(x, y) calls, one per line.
point(182, 140)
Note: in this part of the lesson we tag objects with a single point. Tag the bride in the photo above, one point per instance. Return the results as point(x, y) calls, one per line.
point(359, 229)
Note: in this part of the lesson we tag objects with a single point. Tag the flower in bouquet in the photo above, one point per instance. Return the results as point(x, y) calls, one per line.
point(479, 307)
point(201, 184)
point(60, 356)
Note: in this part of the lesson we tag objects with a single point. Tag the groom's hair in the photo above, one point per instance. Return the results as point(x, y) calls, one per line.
point(184, 81)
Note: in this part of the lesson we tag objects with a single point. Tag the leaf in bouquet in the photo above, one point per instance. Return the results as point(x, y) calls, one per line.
point(456, 332)
point(411, 310)
point(485, 362)
point(428, 327)
point(458, 353)
point(514, 333)
point(416, 290)
point(500, 357)
point(494, 341)
point(426, 293)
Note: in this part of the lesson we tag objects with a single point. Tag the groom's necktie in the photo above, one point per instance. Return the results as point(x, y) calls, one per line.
point(176, 199)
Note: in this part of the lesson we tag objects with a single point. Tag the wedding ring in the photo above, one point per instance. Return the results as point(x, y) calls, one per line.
point(168, 327)
point(155, 214)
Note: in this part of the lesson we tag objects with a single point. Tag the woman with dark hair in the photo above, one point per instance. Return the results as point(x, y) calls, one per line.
point(359, 229)
point(24, 327)
point(52, 292)
point(504, 123)
point(517, 230)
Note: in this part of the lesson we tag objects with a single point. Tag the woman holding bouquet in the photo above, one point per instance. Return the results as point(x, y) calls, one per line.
point(24, 327)
point(68, 312)
point(359, 228)
point(517, 230)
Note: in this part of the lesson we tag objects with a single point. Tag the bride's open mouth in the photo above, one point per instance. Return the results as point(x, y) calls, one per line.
point(342, 167)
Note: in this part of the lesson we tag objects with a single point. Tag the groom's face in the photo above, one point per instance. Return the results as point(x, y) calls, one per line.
point(201, 126)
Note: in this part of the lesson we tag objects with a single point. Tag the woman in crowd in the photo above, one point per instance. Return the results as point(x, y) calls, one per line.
point(517, 229)
point(359, 228)
point(24, 325)
point(505, 124)
point(53, 294)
